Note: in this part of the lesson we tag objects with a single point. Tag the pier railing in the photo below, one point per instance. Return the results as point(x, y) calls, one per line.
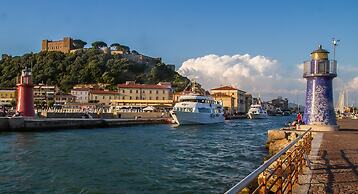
point(280, 172)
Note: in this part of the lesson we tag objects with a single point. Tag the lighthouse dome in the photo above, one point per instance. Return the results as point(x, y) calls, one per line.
point(319, 54)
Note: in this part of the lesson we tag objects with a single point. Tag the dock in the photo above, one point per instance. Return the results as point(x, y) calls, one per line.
point(333, 161)
point(45, 124)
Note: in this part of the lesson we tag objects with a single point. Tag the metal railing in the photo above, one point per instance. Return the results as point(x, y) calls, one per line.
point(280, 172)
point(320, 67)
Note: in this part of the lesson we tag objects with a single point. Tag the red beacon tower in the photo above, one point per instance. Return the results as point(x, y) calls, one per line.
point(25, 95)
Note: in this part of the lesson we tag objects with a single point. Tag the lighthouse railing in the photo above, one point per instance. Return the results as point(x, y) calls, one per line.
point(319, 67)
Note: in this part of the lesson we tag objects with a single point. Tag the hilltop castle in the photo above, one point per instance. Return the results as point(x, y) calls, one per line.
point(65, 45)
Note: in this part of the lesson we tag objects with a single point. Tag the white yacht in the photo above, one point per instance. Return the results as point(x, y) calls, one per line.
point(257, 112)
point(197, 109)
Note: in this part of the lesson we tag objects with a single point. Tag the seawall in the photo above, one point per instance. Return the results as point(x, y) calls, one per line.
point(33, 124)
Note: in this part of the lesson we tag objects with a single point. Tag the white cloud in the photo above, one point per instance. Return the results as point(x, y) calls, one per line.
point(257, 74)
point(353, 84)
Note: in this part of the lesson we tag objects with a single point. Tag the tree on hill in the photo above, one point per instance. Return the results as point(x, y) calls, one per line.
point(99, 44)
point(116, 46)
point(119, 47)
point(85, 67)
point(77, 43)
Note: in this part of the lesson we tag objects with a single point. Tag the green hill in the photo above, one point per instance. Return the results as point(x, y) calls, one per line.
point(84, 67)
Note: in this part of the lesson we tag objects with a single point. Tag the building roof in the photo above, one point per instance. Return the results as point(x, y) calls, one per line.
point(225, 88)
point(219, 94)
point(144, 86)
point(320, 50)
point(80, 89)
point(103, 92)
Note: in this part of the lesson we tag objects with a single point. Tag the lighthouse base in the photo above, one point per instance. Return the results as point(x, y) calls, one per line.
point(319, 128)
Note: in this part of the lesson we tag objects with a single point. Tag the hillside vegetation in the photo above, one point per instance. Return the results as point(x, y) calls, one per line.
point(84, 67)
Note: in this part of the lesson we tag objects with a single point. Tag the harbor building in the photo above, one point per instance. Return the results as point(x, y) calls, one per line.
point(103, 96)
point(131, 93)
point(81, 94)
point(64, 98)
point(227, 101)
point(7, 96)
point(65, 45)
point(238, 95)
point(44, 92)
point(319, 73)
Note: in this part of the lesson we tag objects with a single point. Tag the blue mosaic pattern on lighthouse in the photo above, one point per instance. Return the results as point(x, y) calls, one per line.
point(319, 101)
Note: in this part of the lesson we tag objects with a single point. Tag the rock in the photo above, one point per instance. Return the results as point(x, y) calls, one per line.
point(277, 145)
point(273, 135)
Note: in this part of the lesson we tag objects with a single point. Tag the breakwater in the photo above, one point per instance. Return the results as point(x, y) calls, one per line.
point(30, 124)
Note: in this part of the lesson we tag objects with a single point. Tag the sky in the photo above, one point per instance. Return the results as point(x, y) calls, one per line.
point(255, 45)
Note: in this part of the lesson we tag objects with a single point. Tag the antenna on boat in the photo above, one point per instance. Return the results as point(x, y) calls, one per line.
point(335, 44)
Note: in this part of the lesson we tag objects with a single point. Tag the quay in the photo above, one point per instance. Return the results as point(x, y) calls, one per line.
point(45, 124)
point(310, 161)
point(333, 161)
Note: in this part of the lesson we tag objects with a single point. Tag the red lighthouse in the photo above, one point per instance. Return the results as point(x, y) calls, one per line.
point(25, 96)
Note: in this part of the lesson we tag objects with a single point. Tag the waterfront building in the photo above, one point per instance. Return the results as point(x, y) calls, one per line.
point(44, 92)
point(7, 96)
point(81, 94)
point(103, 96)
point(227, 101)
point(65, 45)
point(238, 95)
point(131, 93)
point(64, 98)
point(319, 73)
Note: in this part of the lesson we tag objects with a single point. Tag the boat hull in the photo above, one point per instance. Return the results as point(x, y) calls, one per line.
point(192, 118)
point(257, 116)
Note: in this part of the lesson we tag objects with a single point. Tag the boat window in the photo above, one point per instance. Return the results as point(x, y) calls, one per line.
point(204, 110)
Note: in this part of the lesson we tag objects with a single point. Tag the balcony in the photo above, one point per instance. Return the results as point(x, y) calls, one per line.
point(320, 68)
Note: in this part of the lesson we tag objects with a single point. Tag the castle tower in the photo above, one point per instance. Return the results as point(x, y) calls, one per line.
point(319, 72)
point(25, 95)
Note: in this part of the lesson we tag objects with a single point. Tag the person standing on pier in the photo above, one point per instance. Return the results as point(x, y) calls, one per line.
point(299, 120)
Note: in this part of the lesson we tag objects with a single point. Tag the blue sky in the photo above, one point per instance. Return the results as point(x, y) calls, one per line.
point(286, 31)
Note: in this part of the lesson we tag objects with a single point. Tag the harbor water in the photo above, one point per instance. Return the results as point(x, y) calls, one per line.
point(134, 159)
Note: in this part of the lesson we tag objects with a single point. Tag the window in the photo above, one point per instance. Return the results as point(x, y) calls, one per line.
point(130, 97)
point(150, 91)
point(136, 91)
point(136, 97)
point(110, 97)
point(103, 97)
point(95, 97)
point(150, 98)
point(204, 110)
point(124, 91)
point(156, 91)
point(163, 98)
point(130, 91)
point(143, 91)
point(156, 98)
point(163, 91)
point(123, 98)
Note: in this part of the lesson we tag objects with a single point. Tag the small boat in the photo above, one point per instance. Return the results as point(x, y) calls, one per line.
point(257, 112)
point(197, 109)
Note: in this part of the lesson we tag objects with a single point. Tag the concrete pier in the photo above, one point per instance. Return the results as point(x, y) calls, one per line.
point(31, 124)
point(333, 161)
